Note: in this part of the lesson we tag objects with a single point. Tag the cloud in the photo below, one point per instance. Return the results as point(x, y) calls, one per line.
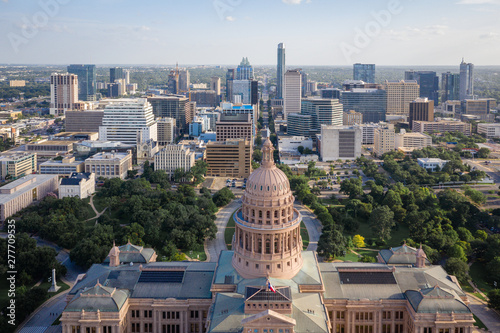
point(478, 2)
point(295, 2)
point(489, 35)
point(230, 18)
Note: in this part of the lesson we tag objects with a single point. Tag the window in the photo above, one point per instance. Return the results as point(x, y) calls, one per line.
point(194, 314)
point(106, 329)
point(136, 328)
point(386, 315)
point(399, 328)
point(399, 315)
point(459, 329)
point(427, 329)
point(386, 328)
point(340, 328)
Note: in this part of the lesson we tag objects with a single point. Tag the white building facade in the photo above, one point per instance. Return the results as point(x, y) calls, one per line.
point(123, 119)
point(340, 142)
point(292, 95)
point(174, 157)
point(80, 185)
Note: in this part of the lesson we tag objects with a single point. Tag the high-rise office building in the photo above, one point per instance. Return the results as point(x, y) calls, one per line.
point(116, 73)
point(450, 85)
point(280, 72)
point(173, 157)
point(370, 102)
point(173, 82)
point(230, 76)
point(421, 109)
point(466, 80)
point(215, 84)
point(234, 126)
point(63, 93)
point(205, 98)
point(364, 72)
point(330, 93)
point(244, 70)
point(184, 80)
point(399, 96)
point(124, 119)
point(165, 131)
point(176, 107)
point(480, 108)
point(322, 112)
point(230, 158)
point(292, 95)
point(303, 83)
point(83, 121)
point(86, 81)
point(428, 82)
point(299, 124)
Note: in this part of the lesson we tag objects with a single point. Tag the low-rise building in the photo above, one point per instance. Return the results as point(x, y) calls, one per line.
point(65, 166)
point(414, 140)
point(173, 157)
point(287, 143)
point(442, 127)
point(490, 130)
point(79, 184)
point(51, 147)
point(432, 163)
point(231, 158)
point(77, 136)
point(17, 165)
point(109, 165)
point(86, 121)
point(339, 142)
point(11, 114)
point(24, 191)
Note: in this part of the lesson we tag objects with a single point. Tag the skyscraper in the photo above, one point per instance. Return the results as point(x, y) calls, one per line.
point(292, 94)
point(280, 72)
point(230, 75)
point(428, 81)
point(399, 96)
point(215, 84)
point(86, 81)
point(450, 85)
point(173, 82)
point(466, 80)
point(184, 80)
point(63, 92)
point(116, 73)
point(322, 112)
point(371, 102)
point(244, 70)
point(364, 72)
point(176, 107)
point(303, 84)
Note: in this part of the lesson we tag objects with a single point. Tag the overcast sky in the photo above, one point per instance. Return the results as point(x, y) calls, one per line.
point(219, 32)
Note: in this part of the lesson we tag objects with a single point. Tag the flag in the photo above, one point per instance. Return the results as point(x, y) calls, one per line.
point(270, 286)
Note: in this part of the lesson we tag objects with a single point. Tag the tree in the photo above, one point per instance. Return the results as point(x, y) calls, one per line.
point(493, 268)
point(300, 149)
point(257, 155)
point(352, 187)
point(198, 171)
point(457, 267)
point(161, 178)
point(223, 197)
point(381, 222)
point(494, 299)
point(456, 251)
point(483, 153)
point(179, 174)
point(392, 199)
point(331, 243)
point(358, 241)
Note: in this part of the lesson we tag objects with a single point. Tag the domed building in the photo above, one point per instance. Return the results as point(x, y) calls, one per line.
point(267, 238)
point(267, 283)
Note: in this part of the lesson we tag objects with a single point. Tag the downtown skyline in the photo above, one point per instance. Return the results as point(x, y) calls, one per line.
point(219, 32)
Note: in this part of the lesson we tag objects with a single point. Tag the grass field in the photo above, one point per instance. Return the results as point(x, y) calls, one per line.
point(304, 234)
point(229, 232)
point(397, 236)
point(478, 274)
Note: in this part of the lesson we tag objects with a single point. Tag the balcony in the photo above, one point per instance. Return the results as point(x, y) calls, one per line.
point(297, 218)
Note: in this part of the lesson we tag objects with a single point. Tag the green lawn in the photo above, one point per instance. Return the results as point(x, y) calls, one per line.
point(91, 212)
point(98, 203)
point(198, 254)
point(304, 234)
point(479, 323)
point(348, 257)
point(229, 232)
point(478, 274)
point(397, 236)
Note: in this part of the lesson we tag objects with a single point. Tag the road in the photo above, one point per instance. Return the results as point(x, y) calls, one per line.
point(52, 309)
point(491, 170)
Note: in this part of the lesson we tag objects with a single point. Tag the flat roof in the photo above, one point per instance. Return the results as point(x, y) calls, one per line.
point(53, 143)
point(4, 198)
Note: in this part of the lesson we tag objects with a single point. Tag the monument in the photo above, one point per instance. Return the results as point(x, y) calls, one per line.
point(54, 288)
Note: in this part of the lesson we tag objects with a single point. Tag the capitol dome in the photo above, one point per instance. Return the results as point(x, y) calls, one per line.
point(267, 238)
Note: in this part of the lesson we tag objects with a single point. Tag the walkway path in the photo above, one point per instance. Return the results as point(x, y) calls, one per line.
point(312, 224)
point(215, 246)
point(97, 214)
point(489, 317)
